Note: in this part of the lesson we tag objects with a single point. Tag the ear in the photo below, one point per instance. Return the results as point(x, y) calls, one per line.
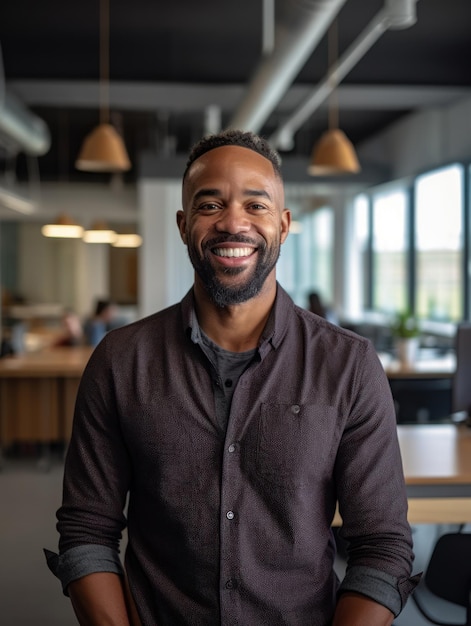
point(181, 223)
point(285, 224)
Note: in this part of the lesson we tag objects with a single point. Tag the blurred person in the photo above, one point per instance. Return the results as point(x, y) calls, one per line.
point(102, 321)
point(72, 331)
point(315, 304)
point(319, 308)
point(223, 430)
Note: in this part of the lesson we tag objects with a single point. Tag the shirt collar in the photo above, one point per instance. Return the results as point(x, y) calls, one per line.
point(272, 334)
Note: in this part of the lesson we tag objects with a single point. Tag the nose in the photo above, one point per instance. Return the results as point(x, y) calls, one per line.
point(233, 219)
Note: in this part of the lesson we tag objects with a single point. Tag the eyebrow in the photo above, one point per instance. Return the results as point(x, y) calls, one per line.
point(260, 193)
point(206, 192)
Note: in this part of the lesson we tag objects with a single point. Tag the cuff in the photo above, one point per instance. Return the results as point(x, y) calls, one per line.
point(379, 586)
point(82, 560)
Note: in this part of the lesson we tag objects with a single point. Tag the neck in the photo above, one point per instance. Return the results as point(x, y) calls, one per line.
point(237, 327)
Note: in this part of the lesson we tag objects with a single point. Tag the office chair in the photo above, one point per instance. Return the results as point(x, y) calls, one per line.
point(443, 594)
point(461, 387)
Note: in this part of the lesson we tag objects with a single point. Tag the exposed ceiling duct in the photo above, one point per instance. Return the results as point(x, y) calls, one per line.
point(299, 26)
point(20, 129)
point(16, 202)
point(396, 15)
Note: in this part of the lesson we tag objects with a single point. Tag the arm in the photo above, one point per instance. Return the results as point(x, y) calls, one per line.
point(91, 518)
point(369, 466)
point(103, 599)
point(357, 610)
point(99, 600)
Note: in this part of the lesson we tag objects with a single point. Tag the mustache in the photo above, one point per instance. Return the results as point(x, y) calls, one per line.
point(215, 241)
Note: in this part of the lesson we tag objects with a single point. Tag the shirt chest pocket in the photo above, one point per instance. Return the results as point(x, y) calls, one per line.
point(296, 443)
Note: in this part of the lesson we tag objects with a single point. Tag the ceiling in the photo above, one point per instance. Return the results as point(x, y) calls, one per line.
point(179, 68)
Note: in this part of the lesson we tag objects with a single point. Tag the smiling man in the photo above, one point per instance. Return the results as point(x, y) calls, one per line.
point(233, 224)
point(234, 421)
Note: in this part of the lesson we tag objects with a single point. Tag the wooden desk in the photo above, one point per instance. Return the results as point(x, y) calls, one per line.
point(37, 394)
point(437, 470)
point(436, 459)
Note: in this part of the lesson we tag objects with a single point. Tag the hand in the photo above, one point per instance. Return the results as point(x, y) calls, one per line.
point(354, 609)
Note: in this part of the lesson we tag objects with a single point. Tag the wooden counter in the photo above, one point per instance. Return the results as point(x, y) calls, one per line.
point(37, 394)
point(434, 455)
point(437, 471)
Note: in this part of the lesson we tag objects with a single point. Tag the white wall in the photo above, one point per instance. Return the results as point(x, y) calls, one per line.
point(165, 270)
point(423, 140)
point(61, 271)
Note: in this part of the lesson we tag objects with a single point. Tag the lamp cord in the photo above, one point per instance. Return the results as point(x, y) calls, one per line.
point(104, 61)
point(332, 60)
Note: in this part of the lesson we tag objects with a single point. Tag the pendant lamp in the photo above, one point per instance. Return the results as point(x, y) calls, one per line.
point(127, 240)
point(99, 232)
point(103, 150)
point(63, 227)
point(334, 153)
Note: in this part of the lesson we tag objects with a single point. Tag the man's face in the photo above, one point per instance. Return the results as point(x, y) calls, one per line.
point(233, 222)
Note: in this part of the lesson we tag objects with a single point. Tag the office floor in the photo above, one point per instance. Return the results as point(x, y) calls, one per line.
point(29, 593)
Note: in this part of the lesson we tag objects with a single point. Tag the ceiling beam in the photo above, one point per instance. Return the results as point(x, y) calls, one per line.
point(187, 98)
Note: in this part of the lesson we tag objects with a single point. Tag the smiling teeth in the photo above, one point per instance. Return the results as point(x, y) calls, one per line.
point(233, 252)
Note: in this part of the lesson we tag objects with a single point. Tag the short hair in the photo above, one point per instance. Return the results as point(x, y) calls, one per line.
point(102, 305)
point(231, 137)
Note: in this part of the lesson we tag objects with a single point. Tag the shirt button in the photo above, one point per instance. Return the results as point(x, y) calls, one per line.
point(230, 514)
point(232, 448)
point(231, 584)
point(295, 409)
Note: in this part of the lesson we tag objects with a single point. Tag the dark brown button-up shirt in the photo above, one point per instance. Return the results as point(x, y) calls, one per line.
point(232, 525)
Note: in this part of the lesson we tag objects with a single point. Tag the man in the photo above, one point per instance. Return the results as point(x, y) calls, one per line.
point(235, 421)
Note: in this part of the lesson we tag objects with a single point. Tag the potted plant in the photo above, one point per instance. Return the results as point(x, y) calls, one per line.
point(406, 332)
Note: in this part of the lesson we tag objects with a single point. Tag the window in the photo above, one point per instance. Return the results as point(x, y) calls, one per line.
point(389, 271)
point(357, 285)
point(317, 251)
point(307, 258)
point(439, 244)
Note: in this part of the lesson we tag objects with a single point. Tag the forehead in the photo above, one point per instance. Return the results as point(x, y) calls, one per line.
point(229, 162)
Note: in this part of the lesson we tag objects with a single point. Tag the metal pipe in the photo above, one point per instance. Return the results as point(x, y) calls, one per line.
point(299, 28)
point(21, 129)
point(386, 18)
point(28, 132)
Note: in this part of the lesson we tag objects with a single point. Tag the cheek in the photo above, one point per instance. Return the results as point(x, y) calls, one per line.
point(274, 234)
point(194, 239)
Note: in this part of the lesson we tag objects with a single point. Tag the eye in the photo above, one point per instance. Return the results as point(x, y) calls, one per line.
point(207, 207)
point(256, 206)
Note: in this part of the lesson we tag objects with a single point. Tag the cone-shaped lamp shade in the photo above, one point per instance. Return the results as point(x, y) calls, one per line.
point(103, 150)
point(333, 154)
point(64, 227)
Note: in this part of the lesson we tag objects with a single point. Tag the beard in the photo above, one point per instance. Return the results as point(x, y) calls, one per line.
point(223, 295)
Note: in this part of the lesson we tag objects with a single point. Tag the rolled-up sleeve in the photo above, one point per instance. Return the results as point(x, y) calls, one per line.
point(81, 561)
point(372, 495)
point(380, 587)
